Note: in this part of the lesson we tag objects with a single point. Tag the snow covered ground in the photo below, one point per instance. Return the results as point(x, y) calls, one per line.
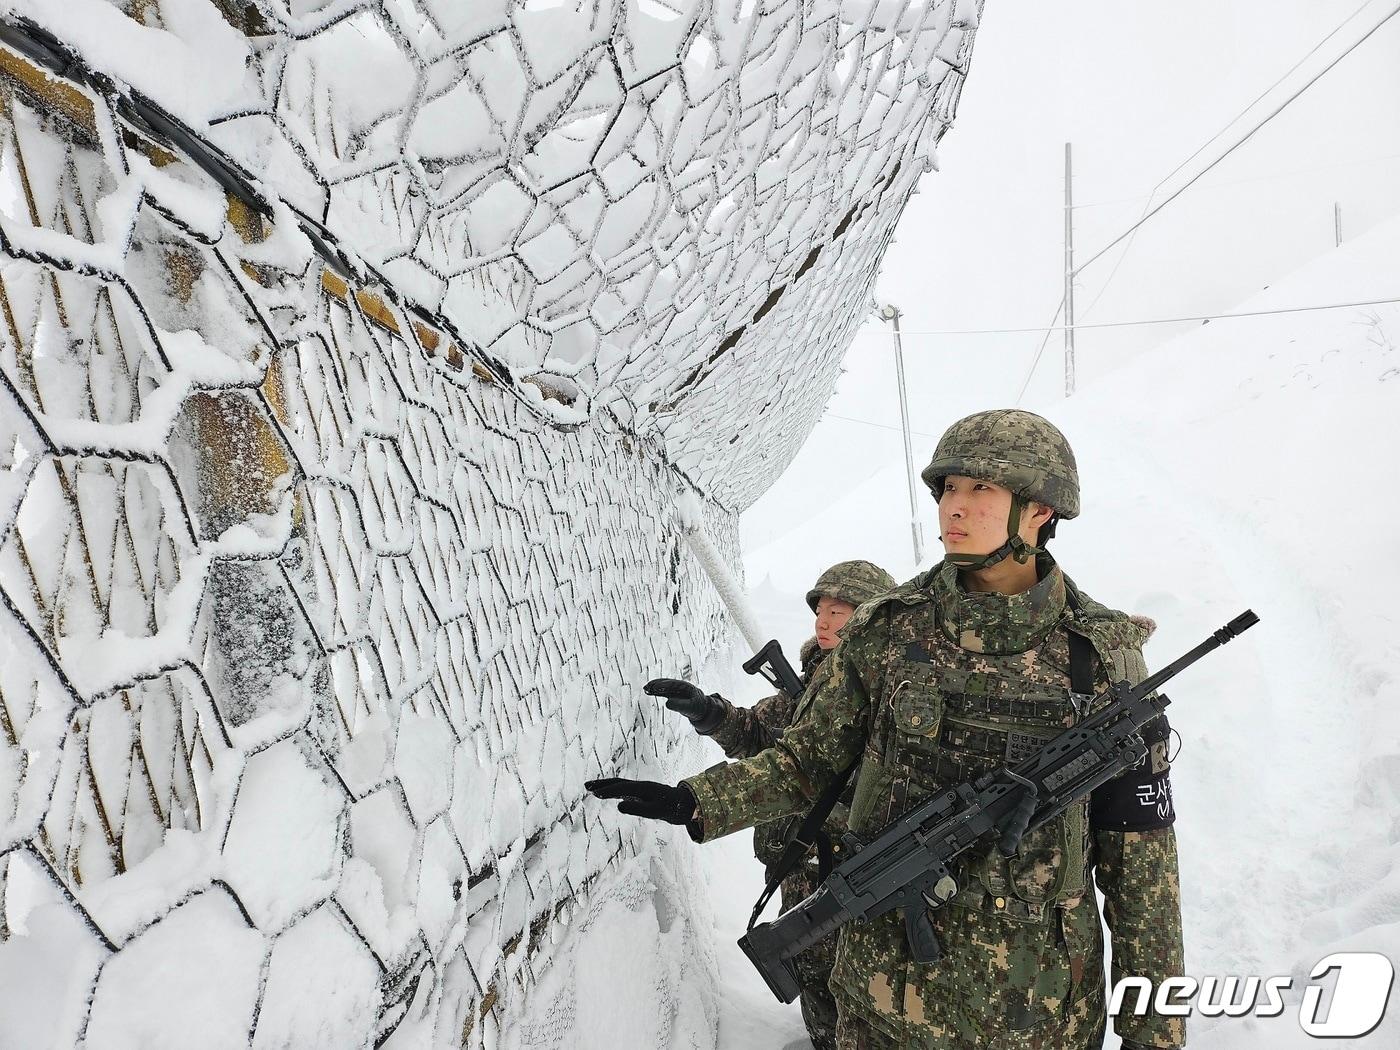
point(749, 1015)
point(1250, 463)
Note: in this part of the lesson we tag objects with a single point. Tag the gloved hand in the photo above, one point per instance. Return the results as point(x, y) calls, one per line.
point(647, 798)
point(1128, 1044)
point(705, 711)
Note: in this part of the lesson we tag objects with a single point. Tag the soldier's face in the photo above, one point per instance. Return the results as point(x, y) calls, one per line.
point(832, 614)
point(972, 515)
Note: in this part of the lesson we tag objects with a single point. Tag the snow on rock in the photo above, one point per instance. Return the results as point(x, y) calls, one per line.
point(283, 845)
point(31, 764)
point(49, 956)
point(381, 889)
point(323, 987)
point(423, 764)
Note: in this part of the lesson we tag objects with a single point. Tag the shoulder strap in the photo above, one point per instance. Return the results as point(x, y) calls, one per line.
point(1081, 664)
point(809, 834)
point(1081, 671)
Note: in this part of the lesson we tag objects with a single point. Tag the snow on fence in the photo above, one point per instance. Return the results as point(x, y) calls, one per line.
point(353, 362)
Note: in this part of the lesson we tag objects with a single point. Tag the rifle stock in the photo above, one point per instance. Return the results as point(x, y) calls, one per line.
point(771, 946)
point(775, 669)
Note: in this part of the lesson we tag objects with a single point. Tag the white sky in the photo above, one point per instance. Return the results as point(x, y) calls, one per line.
point(1137, 87)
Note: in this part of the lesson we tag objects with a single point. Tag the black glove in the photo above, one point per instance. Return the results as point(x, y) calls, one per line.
point(705, 711)
point(647, 798)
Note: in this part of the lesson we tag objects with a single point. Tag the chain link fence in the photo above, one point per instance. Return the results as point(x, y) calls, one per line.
point(328, 573)
point(310, 642)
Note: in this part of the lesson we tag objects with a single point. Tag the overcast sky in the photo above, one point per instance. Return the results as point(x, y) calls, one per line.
point(1138, 88)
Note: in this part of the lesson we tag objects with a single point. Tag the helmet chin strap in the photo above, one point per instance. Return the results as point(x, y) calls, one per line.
point(1014, 547)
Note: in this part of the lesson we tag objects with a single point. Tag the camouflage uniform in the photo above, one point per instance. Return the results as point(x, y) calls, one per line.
point(746, 731)
point(931, 686)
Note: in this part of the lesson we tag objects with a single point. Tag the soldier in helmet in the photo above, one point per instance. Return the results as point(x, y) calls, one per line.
point(959, 671)
point(745, 731)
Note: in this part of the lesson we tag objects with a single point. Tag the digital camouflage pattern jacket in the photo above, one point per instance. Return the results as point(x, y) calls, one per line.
point(931, 686)
point(745, 731)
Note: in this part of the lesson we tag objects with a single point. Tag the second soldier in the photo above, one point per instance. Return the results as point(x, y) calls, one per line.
point(745, 731)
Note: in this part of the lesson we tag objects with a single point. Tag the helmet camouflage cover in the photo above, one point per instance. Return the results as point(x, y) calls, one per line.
point(856, 582)
point(1020, 450)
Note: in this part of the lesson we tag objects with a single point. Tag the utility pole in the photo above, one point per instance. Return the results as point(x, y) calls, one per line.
point(1069, 272)
point(890, 312)
point(1337, 222)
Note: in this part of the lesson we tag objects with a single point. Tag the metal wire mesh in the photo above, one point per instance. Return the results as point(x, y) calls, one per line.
point(671, 211)
point(311, 632)
point(301, 658)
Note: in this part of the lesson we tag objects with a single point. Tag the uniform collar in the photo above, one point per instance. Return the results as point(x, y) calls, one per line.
point(999, 624)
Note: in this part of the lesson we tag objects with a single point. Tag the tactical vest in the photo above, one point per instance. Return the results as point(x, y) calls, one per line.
point(943, 713)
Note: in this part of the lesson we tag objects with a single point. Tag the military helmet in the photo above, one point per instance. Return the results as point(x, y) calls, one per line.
point(1020, 450)
point(856, 582)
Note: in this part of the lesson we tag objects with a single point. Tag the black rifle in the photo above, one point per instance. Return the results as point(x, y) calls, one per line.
point(909, 864)
point(774, 667)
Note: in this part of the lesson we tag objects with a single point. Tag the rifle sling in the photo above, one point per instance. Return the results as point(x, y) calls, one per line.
point(809, 834)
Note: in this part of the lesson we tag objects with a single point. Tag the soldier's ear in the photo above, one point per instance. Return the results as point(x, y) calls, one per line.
point(1039, 513)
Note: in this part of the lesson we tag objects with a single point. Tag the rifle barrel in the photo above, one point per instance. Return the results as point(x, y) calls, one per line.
point(1231, 630)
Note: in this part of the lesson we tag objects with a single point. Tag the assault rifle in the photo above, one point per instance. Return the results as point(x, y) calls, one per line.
point(909, 864)
point(775, 669)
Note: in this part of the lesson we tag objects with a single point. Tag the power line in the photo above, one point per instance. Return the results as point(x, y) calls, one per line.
point(1263, 94)
point(880, 426)
point(1127, 248)
point(1238, 143)
point(1155, 320)
point(1123, 255)
point(1252, 178)
point(1149, 212)
point(1036, 361)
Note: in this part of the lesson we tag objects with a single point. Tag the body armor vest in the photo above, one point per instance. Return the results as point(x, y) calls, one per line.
point(971, 682)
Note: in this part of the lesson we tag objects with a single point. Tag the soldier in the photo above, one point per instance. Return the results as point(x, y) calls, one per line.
point(947, 676)
point(745, 731)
